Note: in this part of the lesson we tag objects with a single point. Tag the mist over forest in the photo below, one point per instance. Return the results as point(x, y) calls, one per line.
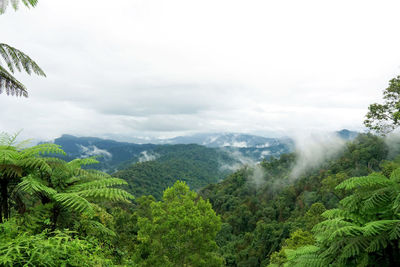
point(188, 133)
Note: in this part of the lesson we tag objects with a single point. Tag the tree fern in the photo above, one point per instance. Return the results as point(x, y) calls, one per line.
point(365, 225)
point(17, 161)
point(74, 190)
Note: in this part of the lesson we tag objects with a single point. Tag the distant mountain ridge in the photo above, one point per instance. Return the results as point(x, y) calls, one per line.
point(225, 140)
point(199, 159)
point(114, 153)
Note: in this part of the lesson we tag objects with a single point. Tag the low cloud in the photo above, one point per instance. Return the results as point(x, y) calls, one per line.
point(313, 150)
point(90, 151)
point(393, 142)
point(257, 172)
point(145, 156)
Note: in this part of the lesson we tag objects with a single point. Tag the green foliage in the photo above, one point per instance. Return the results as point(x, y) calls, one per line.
point(179, 232)
point(196, 165)
point(72, 190)
point(18, 248)
point(384, 118)
point(298, 238)
point(44, 196)
point(261, 217)
point(17, 161)
point(364, 230)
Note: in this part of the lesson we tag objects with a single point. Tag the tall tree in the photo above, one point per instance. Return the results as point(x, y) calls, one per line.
point(384, 118)
point(15, 60)
point(180, 231)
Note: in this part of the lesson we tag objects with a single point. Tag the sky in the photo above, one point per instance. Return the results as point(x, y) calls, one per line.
point(157, 68)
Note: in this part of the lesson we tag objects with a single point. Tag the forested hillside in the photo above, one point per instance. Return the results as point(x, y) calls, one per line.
point(257, 218)
point(113, 155)
point(197, 165)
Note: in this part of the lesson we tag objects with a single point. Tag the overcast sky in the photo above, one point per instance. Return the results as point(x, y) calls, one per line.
point(163, 68)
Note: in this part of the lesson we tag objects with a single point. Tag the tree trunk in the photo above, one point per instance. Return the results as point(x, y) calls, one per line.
point(1, 214)
point(54, 217)
point(4, 197)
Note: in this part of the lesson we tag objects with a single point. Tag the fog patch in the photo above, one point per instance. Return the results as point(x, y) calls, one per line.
point(265, 153)
point(239, 161)
point(145, 156)
point(264, 145)
point(313, 150)
point(392, 141)
point(257, 176)
point(90, 151)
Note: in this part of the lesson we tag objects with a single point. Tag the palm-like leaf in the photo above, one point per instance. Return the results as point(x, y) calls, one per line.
point(16, 60)
point(74, 202)
point(11, 85)
point(15, 4)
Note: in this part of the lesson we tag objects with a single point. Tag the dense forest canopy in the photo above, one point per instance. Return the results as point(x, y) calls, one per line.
point(183, 209)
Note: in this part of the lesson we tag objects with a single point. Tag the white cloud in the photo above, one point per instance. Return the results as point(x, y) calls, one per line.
point(90, 151)
point(163, 68)
point(145, 156)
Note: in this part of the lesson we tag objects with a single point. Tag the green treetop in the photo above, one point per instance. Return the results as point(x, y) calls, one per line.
point(384, 118)
point(180, 231)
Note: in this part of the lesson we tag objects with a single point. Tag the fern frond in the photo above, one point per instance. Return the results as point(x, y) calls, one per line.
point(394, 233)
point(11, 85)
point(42, 149)
point(11, 170)
point(15, 4)
point(395, 175)
point(31, 185)
point(378, 227)
point(96, 174)
point(100, 228)
point(8, 140)
point(379, 198)
point(306, 256)
point(74, 202)
point(374, 179)
point(35, 163)
point(97, 184)
point(347, 231)
point(354, 247)
point(311, 249)
point(396, 203)
point(18, 60)
point(377, 243)
point(54, 161)
point(352, 202)
point(332, 224)
point(344, 214)
point(8, 156)
point(112, 194)
point(77, 163)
